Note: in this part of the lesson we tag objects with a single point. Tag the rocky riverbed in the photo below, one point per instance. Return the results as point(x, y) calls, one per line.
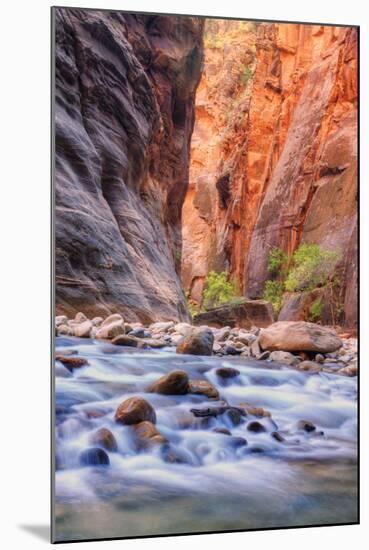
point(171, 429)
point(306, 346)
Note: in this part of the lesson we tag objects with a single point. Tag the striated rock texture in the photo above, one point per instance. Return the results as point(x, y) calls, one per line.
point(212, 212)
point(124, 113)
point(285, 170)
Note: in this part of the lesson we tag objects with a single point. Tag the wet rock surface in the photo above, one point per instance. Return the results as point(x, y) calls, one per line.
point(175, 382)
point(94, 457)
point(134, 410)
point(198, 342)
point(299, 336)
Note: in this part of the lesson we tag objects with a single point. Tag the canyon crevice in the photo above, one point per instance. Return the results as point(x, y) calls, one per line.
point(273, 154)
point(124, 113)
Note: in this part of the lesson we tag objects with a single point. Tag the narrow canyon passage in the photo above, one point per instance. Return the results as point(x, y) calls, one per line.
point(273, 153)
point(187, 150)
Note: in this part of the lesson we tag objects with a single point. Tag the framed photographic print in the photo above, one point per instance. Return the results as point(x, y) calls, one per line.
point(205, 186)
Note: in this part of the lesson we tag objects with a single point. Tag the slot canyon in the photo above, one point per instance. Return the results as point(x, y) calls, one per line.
point(187, 145)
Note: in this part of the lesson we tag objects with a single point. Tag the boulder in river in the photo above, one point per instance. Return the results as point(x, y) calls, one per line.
point(134, 410)
point(146, 435)
point(255, 411)
point(255, 427)
point(111, 327)
point(203, 387)
point(94, 457)
point(61, 320)
point(306, 426)
point(199, 342)
point(82, 330)
point(350, 370)
point(64, 330)
point(310, 366)
point(284, 357)
point(80, 317)
point(103, 437)
point(184, 329)
point(125, 340)
point(227, 372)
point(71, 362)
point(138, 332)
point(175, 382)
point(162, 325)
point(147, 343)
point(299, 336)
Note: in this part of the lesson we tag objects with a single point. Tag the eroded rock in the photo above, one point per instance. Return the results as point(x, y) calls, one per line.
point(134, 410)
point(175, 382)
point(94, 457)
point(199, 342)
point(103, 437)
point(299, 336)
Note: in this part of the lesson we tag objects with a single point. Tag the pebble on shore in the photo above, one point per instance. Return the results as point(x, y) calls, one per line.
point(306, 346)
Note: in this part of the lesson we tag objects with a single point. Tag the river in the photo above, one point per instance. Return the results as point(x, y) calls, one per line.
point(220, 483)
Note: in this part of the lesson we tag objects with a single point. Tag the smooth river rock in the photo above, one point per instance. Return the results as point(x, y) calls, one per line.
point(134, 410)
point(103, 437)
point(146, 435)
point(299, 336)
point(199, 342)
point(173, 383)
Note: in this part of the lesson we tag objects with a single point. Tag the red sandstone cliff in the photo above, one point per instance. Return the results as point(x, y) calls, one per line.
point(274, 159)
point(124, 112)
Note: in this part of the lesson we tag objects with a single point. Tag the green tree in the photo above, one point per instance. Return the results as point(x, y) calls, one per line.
point(273, 293)
point(316, 309)
point(312, 267)
point(277, 261)
point(218, 289)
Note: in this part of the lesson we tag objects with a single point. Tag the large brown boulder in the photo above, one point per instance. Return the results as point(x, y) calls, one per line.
point(173, 383)
point(299, 336)
point(125, 340)
point(203, 387)
point(82, 330)
point(246, 314)
point(112, 327)
point(199, 342)
point(134, 410)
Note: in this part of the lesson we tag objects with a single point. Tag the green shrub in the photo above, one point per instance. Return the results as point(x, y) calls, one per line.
point(277, 260)
point(273, 293)
point(312, 266)
point(218, 289)
point(192, 306)
point(246, 75)
point(316, 309)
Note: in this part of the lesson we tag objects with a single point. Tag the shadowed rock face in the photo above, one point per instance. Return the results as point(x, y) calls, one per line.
point(124, 113)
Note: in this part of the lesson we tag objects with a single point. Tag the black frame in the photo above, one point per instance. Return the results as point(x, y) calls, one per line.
point(52, 274)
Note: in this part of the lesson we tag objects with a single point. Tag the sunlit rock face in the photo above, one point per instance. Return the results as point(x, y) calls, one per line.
point(124, 113)
point(274, 152)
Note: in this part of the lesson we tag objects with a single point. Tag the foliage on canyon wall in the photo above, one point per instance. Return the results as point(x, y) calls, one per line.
point(274, 162)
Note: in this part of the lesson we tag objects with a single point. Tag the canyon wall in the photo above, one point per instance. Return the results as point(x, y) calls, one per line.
point(278, 165)
point(124, 112)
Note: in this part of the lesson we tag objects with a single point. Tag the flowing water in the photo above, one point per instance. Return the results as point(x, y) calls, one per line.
point(219, 484)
